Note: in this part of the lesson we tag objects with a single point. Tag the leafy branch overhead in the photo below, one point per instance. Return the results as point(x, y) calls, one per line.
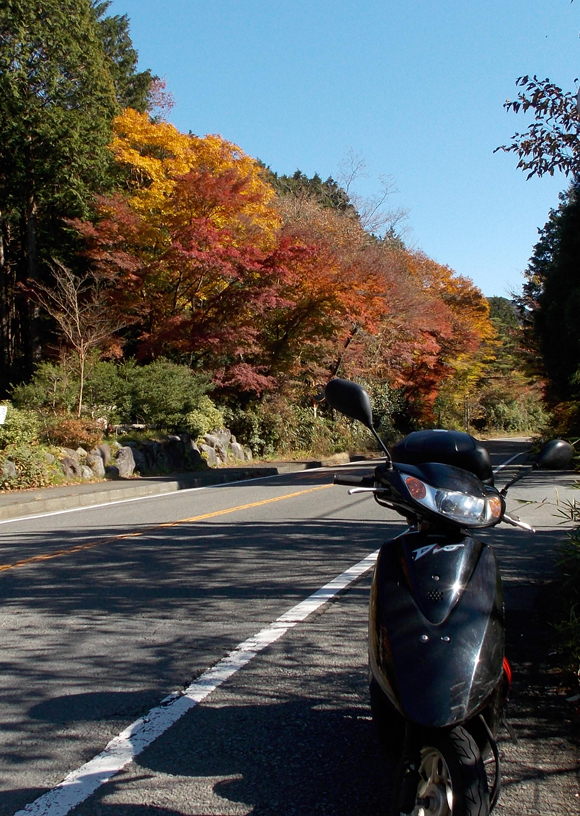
point(552, 140)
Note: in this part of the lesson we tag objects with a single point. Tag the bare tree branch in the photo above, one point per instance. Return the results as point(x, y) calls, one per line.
point(79, 307)
point(375, 216)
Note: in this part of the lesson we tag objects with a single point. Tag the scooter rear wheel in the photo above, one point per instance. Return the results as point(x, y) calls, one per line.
point(449, 781)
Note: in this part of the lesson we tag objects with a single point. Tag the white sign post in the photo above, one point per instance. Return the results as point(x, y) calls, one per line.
point(3, 409)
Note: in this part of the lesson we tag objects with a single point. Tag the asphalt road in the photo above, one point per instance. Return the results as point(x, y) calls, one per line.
point(107, 611)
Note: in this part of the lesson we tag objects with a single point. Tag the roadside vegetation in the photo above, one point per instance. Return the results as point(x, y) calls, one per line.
point(569, 625)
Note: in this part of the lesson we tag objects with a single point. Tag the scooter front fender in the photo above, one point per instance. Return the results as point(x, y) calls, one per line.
point(436, 626)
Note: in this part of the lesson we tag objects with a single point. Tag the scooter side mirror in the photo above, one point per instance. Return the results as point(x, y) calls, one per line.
point(350, 399)
point(555, 455)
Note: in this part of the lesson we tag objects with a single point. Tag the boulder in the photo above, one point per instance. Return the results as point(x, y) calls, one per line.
point(105, 452)
point(236, 451)
point(175, 450)
point(224, 436)
point(125, 462)
point(210, 455)
point(195, 460)
point(9, 470)
point(70, 467)
point(162, 460)
point(213, 441)
point(149, 451)
point(96, 464)
point(140, 461)
point(87, 473)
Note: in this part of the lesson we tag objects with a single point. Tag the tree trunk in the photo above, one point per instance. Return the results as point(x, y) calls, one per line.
point(29, 269)
point(82, 361)
point(336, 368)
point(4, 322)
point(9, 349)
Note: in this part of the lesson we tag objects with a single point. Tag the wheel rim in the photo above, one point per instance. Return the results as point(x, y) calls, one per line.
point(435, 790)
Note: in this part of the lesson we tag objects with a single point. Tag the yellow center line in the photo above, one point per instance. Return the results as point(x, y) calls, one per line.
point(79, 547)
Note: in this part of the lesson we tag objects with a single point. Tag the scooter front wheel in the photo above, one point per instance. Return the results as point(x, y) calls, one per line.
point(450, 779)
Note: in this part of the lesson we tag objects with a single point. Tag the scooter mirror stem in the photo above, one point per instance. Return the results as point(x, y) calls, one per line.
point(516, 478)
point(389, 461)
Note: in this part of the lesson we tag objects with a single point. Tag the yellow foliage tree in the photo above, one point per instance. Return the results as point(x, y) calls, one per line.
point(155, 155)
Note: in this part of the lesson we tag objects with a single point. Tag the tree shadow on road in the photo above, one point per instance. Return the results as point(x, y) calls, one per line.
point(295, 757)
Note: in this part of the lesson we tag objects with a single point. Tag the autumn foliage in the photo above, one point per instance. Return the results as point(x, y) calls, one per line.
point(263, 292)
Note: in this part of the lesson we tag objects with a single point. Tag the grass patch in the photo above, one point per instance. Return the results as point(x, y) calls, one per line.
point(568, 626)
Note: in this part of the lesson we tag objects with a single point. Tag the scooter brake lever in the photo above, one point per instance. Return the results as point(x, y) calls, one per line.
point(515, 522)
point(368, 490)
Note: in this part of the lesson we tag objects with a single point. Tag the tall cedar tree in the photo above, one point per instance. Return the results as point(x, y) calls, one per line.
point(551, 297)
point(132, 87)
point(57, 101)
point(65, 71)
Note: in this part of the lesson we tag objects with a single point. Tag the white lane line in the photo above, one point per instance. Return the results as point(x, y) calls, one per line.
point(509, 461)
point(123, 749)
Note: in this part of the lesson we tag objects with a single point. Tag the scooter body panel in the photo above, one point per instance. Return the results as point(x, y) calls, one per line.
point(436, 626)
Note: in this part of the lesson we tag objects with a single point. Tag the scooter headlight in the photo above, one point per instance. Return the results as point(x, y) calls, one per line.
point(460, 506)
point(464, 508)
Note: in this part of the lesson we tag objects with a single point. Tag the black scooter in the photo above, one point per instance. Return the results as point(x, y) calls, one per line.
point(439, 677)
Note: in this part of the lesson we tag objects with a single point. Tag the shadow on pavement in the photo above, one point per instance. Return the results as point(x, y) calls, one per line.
point(298, 757)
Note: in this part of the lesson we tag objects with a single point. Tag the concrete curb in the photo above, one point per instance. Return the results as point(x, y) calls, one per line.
point(24, 503)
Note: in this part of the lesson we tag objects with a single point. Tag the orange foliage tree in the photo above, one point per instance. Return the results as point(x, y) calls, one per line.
point(457, 341)
point(374, 309)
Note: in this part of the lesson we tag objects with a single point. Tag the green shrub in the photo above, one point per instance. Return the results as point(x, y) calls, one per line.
point(523, 414)
point(159, 393)
point(32, 469)
point(565, 420)
point(164, 393)
point(21, 427)
point(569, 595)
point(203, 419)
point(108, 391)
point(275, 427)
point(53, 387)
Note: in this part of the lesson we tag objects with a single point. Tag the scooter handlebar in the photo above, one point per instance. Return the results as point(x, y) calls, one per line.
point(354, 481)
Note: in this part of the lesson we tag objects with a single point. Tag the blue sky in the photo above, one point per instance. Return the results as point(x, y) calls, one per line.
point(415, 87)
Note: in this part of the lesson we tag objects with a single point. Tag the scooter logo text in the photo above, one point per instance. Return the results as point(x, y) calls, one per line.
point(435, 548)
